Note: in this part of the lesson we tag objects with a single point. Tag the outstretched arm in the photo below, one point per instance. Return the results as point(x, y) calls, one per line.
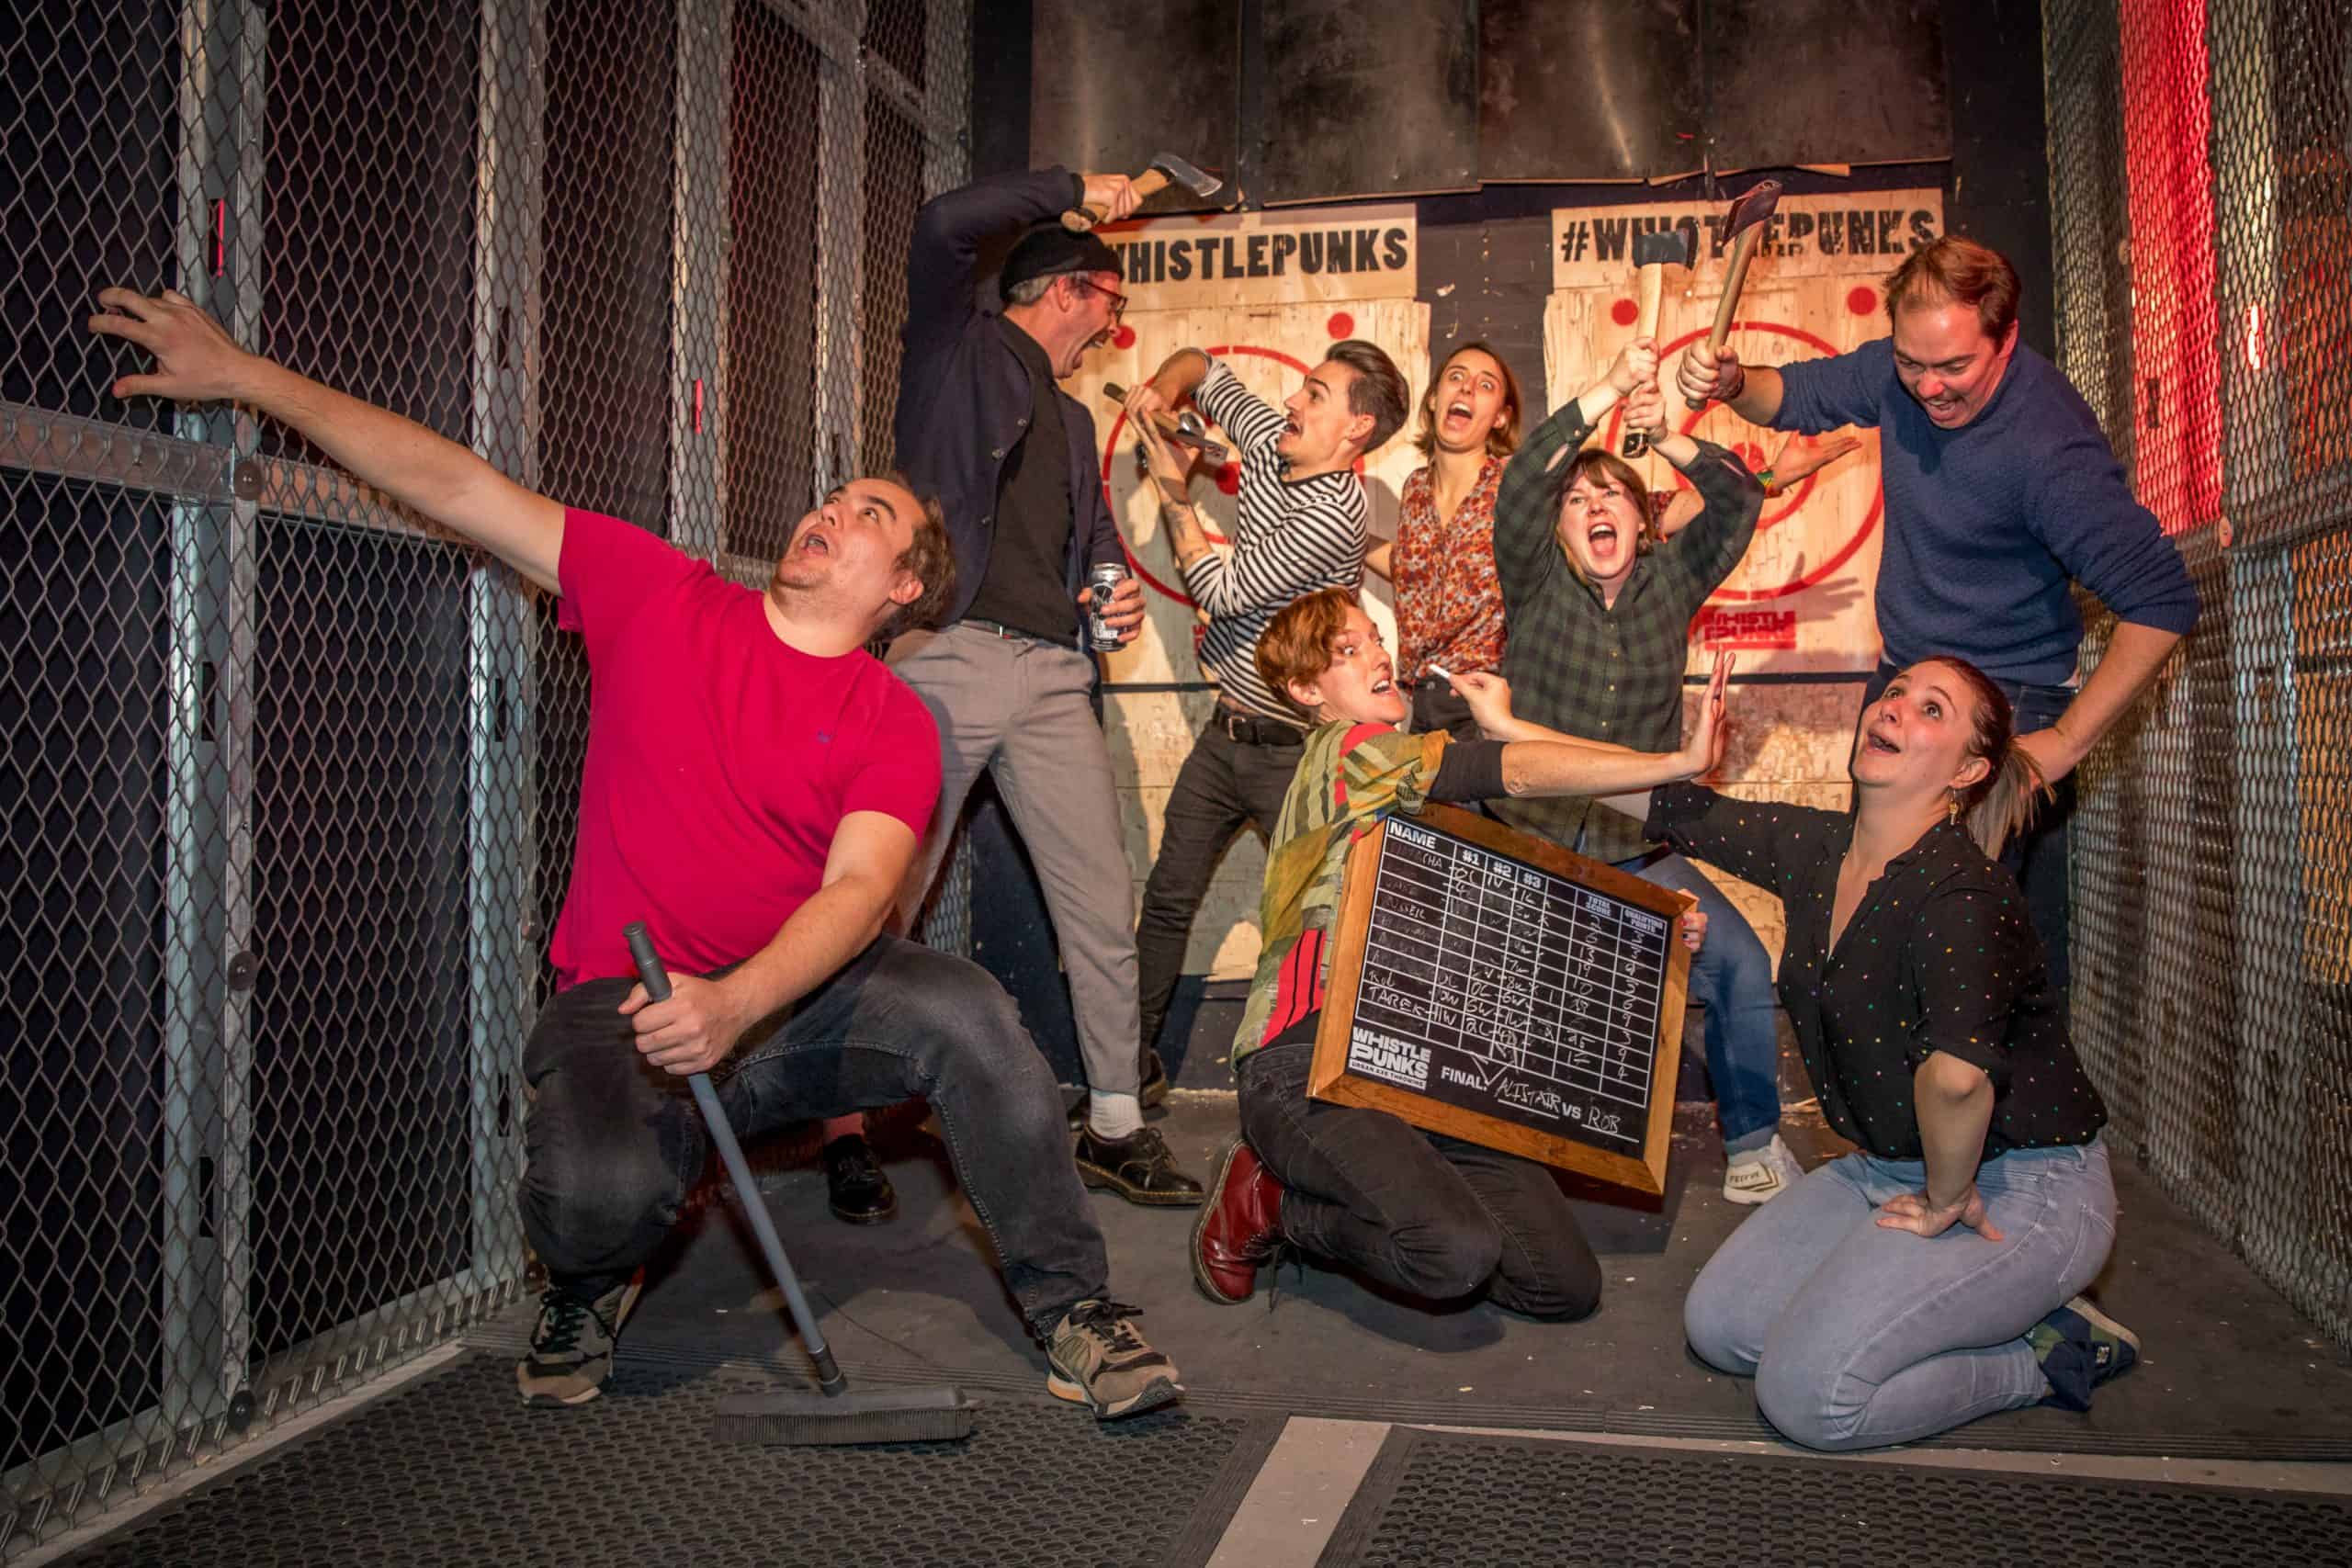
point(1540, 761)
point(197, 362)
point(694, 1029)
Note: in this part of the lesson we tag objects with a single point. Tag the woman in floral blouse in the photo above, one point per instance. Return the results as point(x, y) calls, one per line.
point(1441, 563)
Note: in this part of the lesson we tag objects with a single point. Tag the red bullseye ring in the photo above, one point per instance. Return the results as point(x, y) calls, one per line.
point(1110, 446)
point(1796, 497)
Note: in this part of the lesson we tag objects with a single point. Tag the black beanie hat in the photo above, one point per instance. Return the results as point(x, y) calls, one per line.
point(1050, 249)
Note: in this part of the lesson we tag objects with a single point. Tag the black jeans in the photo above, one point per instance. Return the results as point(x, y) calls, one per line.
point(1429, 1214)
point(1224, 783)
point(611, 1144)
point(1436, 705)
point(2038, 857)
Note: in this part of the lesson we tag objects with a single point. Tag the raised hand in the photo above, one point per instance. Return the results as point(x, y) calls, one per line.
point(195, 360)
point(1701, 378)
point(1635, 363)
point(1112, 196)
point(1704, 751)
point(1646, 410)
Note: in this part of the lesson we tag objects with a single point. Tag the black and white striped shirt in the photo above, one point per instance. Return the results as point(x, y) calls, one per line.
point(1288, 540)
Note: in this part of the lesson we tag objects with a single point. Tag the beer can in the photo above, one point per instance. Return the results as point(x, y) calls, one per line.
point(1104, 579)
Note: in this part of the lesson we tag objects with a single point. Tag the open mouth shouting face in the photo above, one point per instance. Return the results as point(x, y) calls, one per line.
point(1468, 399)
point(1918, 732)
point(1600, 523)
point(1944, 360)
point(852, 542)
point(1359, 686)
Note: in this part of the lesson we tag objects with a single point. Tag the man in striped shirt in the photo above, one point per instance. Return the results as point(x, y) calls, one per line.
point(1301, 527)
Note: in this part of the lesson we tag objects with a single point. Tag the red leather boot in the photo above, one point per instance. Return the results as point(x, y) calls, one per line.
point(1239, 1227)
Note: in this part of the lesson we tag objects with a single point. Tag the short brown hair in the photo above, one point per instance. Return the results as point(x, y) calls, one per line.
point(930, 558)
point(1955, 271)
point(1297, 643)
point(1378, 388)
point(1503, 439)
point(1601, 464)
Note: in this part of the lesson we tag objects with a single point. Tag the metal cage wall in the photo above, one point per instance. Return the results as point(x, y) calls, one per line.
point(289, 779)
point(2201, 171)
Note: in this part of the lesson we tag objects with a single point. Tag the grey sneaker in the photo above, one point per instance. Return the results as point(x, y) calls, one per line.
point(1761, 1175)
point(1098, 1359)
point(572, 1349)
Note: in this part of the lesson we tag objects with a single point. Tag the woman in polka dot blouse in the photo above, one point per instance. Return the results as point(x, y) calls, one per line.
point(1931, 1276)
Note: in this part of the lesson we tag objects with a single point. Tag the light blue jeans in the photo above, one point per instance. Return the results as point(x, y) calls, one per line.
point(1859, 1336)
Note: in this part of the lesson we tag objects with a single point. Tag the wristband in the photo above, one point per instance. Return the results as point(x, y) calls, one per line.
point(1764, 478)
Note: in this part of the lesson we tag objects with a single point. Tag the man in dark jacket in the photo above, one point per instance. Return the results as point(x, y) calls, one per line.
point(1008, 677)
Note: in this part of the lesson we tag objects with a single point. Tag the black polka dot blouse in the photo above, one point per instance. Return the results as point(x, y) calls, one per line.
point(1939, 956)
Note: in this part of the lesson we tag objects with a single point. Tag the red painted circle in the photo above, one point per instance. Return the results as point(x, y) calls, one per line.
point(1228, 478)
point(1341, 324)
point(1861, 299)
point(1796, 498)
point(1124, 338)
point(1624, 313)
point(1110, 446)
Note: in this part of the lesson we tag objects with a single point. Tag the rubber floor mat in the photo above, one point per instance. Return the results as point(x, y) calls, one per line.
point(453, 1470)
point(1488, 1502)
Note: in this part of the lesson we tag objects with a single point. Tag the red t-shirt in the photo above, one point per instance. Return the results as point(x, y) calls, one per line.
point(720, 758)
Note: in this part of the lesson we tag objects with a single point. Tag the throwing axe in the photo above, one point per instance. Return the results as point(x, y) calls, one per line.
point(1653, 254)
point(1185, 426)
point(1744, 220)
point(1165, 169)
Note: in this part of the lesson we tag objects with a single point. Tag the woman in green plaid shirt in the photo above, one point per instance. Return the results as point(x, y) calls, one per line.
point(1599, 609)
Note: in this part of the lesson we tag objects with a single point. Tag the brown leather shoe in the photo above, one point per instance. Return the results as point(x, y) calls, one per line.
point(1239, 1227)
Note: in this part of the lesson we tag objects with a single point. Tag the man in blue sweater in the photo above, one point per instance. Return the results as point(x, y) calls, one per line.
point(2001, 493)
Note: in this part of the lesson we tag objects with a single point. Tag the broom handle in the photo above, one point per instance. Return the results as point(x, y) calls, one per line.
point(730, 1153)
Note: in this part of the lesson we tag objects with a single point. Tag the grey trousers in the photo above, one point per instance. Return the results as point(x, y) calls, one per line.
point(1020, 709)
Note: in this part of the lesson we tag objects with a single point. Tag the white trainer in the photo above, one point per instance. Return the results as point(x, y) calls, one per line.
point(1761, 1175)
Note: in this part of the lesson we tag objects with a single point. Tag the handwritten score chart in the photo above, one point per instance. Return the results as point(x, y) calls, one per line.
point(1498, 975)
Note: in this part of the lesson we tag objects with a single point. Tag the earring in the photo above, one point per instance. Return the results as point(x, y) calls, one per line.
point(1951, 811)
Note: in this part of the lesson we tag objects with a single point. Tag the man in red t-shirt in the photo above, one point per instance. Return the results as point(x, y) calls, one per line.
point(755, 787)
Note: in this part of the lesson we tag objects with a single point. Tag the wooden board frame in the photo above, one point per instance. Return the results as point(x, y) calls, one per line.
point(1329, 1080)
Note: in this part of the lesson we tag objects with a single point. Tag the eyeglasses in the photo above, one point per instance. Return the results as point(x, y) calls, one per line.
point(1118, 300)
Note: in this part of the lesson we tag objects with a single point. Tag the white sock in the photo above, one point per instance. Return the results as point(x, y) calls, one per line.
point(1113, 1117)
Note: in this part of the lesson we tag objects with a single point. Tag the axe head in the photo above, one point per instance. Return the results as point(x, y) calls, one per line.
point(1665, 247)
point(1753, 207)
point(1191, 176)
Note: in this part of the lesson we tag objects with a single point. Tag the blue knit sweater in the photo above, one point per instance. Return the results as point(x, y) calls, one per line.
point(1986, 525)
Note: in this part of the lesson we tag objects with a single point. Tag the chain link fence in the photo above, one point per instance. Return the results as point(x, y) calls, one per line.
point(289, 779)
point(2200, 157)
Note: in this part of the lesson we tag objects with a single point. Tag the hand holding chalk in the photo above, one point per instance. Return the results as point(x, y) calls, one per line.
point(1442, 673)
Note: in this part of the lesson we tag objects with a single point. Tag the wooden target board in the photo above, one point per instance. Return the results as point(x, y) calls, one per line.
point(1490, 986)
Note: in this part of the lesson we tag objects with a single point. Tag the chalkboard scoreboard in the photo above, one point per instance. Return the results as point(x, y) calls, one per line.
point(1490, 984)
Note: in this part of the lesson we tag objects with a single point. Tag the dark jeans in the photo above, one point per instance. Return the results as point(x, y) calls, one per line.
point(611, 1144)
point(2037, 856)
point(1429, 1214)
point(1436, 705)
point(1224, 783)
point(1731, 977)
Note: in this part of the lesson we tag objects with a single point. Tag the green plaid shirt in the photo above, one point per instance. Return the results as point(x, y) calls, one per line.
point(1594, 671)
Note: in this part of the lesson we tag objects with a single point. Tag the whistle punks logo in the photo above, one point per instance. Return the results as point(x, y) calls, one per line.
point(1280, 253)
point(1385, 1057)
point(1789, 232)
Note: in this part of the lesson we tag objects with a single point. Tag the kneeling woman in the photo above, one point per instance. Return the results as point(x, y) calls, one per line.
point(1918, 1282)
point(1430, 1215)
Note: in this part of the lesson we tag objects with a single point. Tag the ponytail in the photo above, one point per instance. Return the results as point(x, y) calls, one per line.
point(2003, 803)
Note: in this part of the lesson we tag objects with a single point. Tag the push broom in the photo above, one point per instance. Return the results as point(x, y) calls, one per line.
point(932, 1413)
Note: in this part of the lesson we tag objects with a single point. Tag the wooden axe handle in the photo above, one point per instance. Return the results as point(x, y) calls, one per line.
point(1651, 285)
point(1729, 306)
point(1148, 184)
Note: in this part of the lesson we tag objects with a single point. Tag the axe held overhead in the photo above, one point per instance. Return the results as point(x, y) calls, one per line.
point(1653, 254)
point(1744, 223)
point(1165, 169)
